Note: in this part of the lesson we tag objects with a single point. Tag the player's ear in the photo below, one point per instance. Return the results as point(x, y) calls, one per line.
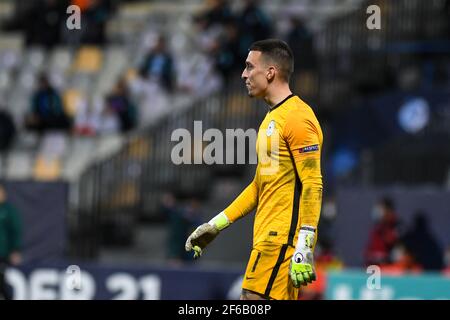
point(270, 75)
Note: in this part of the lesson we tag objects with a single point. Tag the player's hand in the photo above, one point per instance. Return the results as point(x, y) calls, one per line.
point(301, 268)
point(200, 238)
point(206, 233)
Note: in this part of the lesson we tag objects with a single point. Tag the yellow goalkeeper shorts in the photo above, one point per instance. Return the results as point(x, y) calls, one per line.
point(267, 271)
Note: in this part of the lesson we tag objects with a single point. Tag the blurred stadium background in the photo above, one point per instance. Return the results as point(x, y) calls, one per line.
point(94, 184)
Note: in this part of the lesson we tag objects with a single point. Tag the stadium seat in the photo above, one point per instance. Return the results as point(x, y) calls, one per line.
point(53, 144)
point(60, 59)
point(19, 165)
point(47, 168)
point(71, 100)
point(88, 59)
point(34, 59)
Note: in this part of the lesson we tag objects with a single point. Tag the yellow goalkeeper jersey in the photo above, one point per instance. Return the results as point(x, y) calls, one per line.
point(287, 188)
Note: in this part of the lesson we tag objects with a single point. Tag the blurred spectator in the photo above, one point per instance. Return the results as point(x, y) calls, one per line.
point(327, 221)
point(47, 111)
point(119, 103)
point(254, 25)
point(181, 220)
point(95, 16)
point(158, 65)
point(10, 240)
point(7, 130)
point(87, 120)
point(403, 261)
point(218, 14)
point(420, 240)
point(301, 41)
point(43, 22)
point(226, 52)
point(18, 18)
point(103, 120)
point(199, 78)
point(384, 234)
point(152, 90)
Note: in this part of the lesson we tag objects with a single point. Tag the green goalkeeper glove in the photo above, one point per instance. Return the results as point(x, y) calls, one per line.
point(206, 233)
point(301, 268)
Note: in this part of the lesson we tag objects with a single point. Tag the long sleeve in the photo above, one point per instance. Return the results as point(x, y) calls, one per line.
point(304, 138)
point(311, 199)
point(244, 203)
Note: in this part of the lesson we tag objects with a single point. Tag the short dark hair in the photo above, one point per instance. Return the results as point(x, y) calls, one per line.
point(279, 52)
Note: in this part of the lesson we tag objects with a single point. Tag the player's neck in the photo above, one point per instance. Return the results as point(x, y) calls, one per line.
point(277, 94)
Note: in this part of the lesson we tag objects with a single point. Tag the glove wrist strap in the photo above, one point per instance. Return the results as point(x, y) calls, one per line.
point(306, 238)
point(220, 221)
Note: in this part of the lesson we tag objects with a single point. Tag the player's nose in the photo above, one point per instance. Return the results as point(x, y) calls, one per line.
point(244, 75)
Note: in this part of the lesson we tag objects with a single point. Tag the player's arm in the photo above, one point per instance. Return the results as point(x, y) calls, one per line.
point(207, 232)
point(304, 138)
point(302, 264)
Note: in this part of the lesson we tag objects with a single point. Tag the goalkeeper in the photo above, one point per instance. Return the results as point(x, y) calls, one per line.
point(287, 188)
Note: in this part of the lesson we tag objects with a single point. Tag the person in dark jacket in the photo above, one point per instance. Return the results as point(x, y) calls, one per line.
point(120, 104)
point(158, 65)
point(47, 110)
point(10, 240)
point(254, 25)
point(7, 130)
point(420, 240)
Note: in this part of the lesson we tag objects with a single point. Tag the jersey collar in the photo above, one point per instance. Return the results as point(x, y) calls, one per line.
point(280, 103)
